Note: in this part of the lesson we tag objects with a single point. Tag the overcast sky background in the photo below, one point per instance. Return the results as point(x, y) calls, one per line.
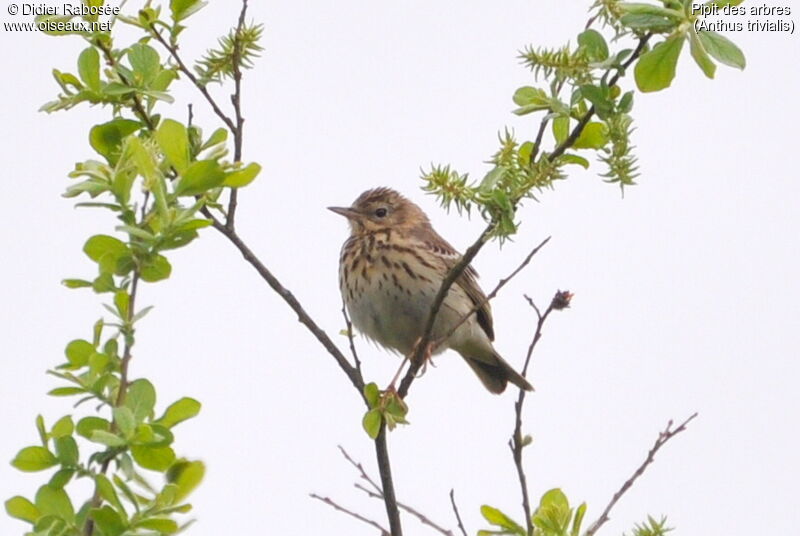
point(686, 291)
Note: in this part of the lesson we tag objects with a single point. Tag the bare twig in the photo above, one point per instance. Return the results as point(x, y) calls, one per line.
point(331, 503)
point(516, 443)
point(455, 511)
point(492, 294)
point(349, 327)
point(173, 50)
point(360, 468)
point(377, 493)
point(302, 316)
point(236, 100)
point(664, 436)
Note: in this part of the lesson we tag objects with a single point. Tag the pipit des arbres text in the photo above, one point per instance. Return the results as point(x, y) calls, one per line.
point(390, 270)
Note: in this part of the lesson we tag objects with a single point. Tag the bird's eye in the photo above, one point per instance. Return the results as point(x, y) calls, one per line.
point(381, 212)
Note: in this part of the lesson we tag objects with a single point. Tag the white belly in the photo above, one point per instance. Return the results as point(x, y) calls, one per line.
point(393, 312)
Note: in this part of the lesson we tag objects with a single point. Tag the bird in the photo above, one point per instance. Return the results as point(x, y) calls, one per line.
point(390, 269)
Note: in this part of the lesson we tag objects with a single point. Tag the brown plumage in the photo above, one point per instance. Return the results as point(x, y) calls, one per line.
point(392, 266)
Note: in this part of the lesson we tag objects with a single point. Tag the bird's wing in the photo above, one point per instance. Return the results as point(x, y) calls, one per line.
point(468, 281)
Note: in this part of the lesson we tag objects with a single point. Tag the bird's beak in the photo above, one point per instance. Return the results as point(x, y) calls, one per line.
point(347, 212)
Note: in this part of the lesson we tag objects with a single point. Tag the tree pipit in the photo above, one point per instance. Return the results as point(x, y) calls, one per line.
point(390, 270)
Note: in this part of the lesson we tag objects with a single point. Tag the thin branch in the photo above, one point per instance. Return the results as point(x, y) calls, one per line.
point(516, 443)
point(417, 359)
point(492, 295)
point(329, 502)
point(387, 484)
point(377, 493)
point(664, 436)
point(349, 327)
point(361, 471)
point(173, 50)
point(455, 511)
point(236, 100)
point(302, 316)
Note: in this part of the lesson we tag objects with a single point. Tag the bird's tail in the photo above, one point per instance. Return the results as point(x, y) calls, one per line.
point(495, 373)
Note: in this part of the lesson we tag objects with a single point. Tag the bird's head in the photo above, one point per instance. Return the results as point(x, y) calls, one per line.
point(382, 208)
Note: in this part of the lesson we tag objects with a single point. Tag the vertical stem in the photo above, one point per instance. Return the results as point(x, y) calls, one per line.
point(385, 470)
point(122, 390)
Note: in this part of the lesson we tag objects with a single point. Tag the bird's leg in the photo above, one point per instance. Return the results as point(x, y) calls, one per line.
point(425, 357)
point(423, 362)
point(397, 375)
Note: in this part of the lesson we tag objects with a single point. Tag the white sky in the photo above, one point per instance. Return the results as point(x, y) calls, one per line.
point(686, 292)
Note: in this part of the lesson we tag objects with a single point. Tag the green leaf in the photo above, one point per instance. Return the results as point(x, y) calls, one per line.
point(372, 394)
point(141, 399)
point(107, 438)
point(218, 136)
point(722, 49)
point(40, 428)
point(174, 142)
point(31, 459)
point(561, 128)
point(125, 421)
point(626, 102)
point(242, 177)
point(87, 426)
point(498, 518)
point(161, 525)
point(595, 45)
point(22, 508)
point(554, 497)
point(121, 301)
point(179, 411)
point(89, 68)
point(108, 520)
point(153, 458)
point(530, 95)
point(78, 352)
point(700, 55)
point(155, 268)
point(593, 136)
point(107, 138)
point(200, 177)
point(67, 450)
point(154, 180)
point(578, 519)
point(104, 283)
point(145, 62)
point(648, 22)
point(66, 391)
point(491, 179)
point(53, 501)
point(76, 283)
point(62, 427)
point(524, 153)
point(183, 8)
point(575, 159)
point(61, 478)
point(111, 254)
point(107, 491)
point(186, 475)
point(372, 422)
point(656, 68)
